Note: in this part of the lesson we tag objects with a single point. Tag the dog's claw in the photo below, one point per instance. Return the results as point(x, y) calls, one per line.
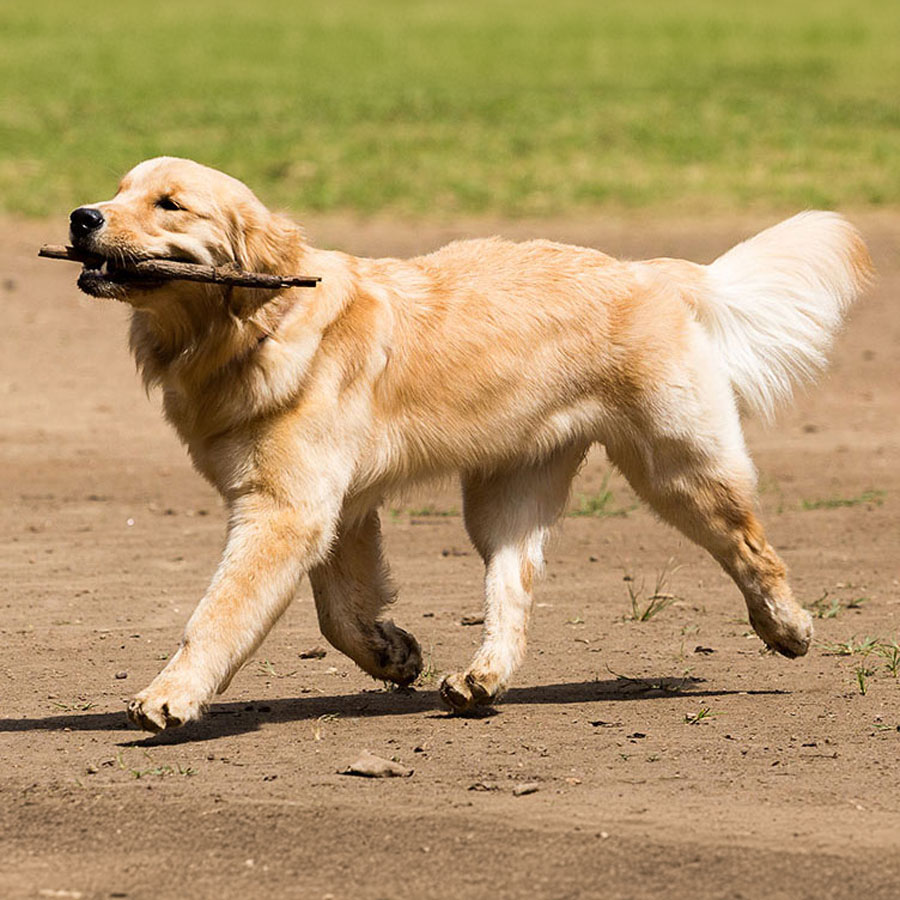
point(455, 693)
point(162, 709)
point(784, 629)
point(462, 693)
point(399, 657)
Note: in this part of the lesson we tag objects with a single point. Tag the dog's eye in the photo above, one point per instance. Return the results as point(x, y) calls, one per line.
point(168, 203)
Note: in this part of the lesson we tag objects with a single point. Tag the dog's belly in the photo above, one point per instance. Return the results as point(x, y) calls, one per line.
point(415, 449)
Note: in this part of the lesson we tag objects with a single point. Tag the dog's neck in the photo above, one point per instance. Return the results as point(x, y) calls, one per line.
point(190, 333)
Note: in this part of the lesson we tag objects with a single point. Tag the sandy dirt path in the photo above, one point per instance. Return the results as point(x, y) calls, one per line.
point(787, 787)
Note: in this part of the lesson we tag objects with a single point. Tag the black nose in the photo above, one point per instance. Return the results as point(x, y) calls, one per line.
point(85, 220)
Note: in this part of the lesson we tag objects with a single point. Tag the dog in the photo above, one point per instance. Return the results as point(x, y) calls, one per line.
point(500, 362)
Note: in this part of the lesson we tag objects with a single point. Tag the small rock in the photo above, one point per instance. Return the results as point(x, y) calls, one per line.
point(484, 786)
point(472, 619)
point(313, 653)
point(92, 770)
point(521, 790)
point(704, 650)
point(121, 675)
point(371, 766)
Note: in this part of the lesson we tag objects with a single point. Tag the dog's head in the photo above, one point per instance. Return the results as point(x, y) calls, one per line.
point(176, 209)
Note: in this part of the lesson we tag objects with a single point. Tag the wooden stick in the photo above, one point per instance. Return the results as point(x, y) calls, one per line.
point(169, 270)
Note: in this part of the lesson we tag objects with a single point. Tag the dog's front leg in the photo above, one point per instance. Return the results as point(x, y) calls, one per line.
point(270, 545)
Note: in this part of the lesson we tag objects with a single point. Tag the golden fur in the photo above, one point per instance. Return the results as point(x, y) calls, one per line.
point(501, 362)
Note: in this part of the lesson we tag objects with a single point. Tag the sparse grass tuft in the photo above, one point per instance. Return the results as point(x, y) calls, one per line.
point(317, 726)
point(850, 647)
point(863, 673)
point(81, 705)
point(428, 675)
point(644, 608)
point(268, 670)
point(702, 715)
point(865, 649)
point(156, 770)
point(599, 505)
point(890, 651)
point(870, 498)
point(159, 771)
point(667, 685)
point(823, 608)
point(425, 512)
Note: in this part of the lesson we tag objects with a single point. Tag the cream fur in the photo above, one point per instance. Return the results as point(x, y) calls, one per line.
point(501, 362)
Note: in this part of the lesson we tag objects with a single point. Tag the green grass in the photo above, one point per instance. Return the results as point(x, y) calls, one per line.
point(702, 715)
point(869, 498)
point(850, 647)
point(600, 504)
point(444, 107)
point(823, 608)
point(645, 606)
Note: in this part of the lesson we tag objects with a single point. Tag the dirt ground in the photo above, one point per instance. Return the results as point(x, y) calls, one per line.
point(786, 786)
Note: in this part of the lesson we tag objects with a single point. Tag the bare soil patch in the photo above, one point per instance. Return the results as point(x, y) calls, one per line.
point(786, 786)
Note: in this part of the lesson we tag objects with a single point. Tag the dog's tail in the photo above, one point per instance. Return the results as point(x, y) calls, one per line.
point(774, 303)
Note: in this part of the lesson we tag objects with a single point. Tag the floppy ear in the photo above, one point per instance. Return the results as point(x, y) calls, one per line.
point(237, 239)
point(262, 241)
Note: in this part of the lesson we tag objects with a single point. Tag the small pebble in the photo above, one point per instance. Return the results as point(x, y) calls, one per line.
point(484, 786)
point(371, 766)
point(520, 790)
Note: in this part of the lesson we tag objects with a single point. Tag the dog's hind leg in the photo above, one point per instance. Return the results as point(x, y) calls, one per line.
point(508, 514)
point(352, 588)
point(702, 482)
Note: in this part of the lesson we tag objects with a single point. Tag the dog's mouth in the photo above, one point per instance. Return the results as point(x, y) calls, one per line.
point(104, 277)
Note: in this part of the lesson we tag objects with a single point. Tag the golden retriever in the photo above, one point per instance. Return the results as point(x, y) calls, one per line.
point(502, 362)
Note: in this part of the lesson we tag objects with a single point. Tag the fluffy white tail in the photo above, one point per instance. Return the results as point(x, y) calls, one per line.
point(776, 301)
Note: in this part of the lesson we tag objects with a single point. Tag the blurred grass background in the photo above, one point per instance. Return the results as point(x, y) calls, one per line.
point(434, 107)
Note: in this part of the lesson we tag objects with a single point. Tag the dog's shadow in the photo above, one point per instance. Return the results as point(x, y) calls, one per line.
point(225, 719)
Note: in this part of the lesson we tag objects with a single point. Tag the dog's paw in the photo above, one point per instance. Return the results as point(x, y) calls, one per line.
point(164, 705)
point(464, 692)
point(785, 628)
point(397, 654)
